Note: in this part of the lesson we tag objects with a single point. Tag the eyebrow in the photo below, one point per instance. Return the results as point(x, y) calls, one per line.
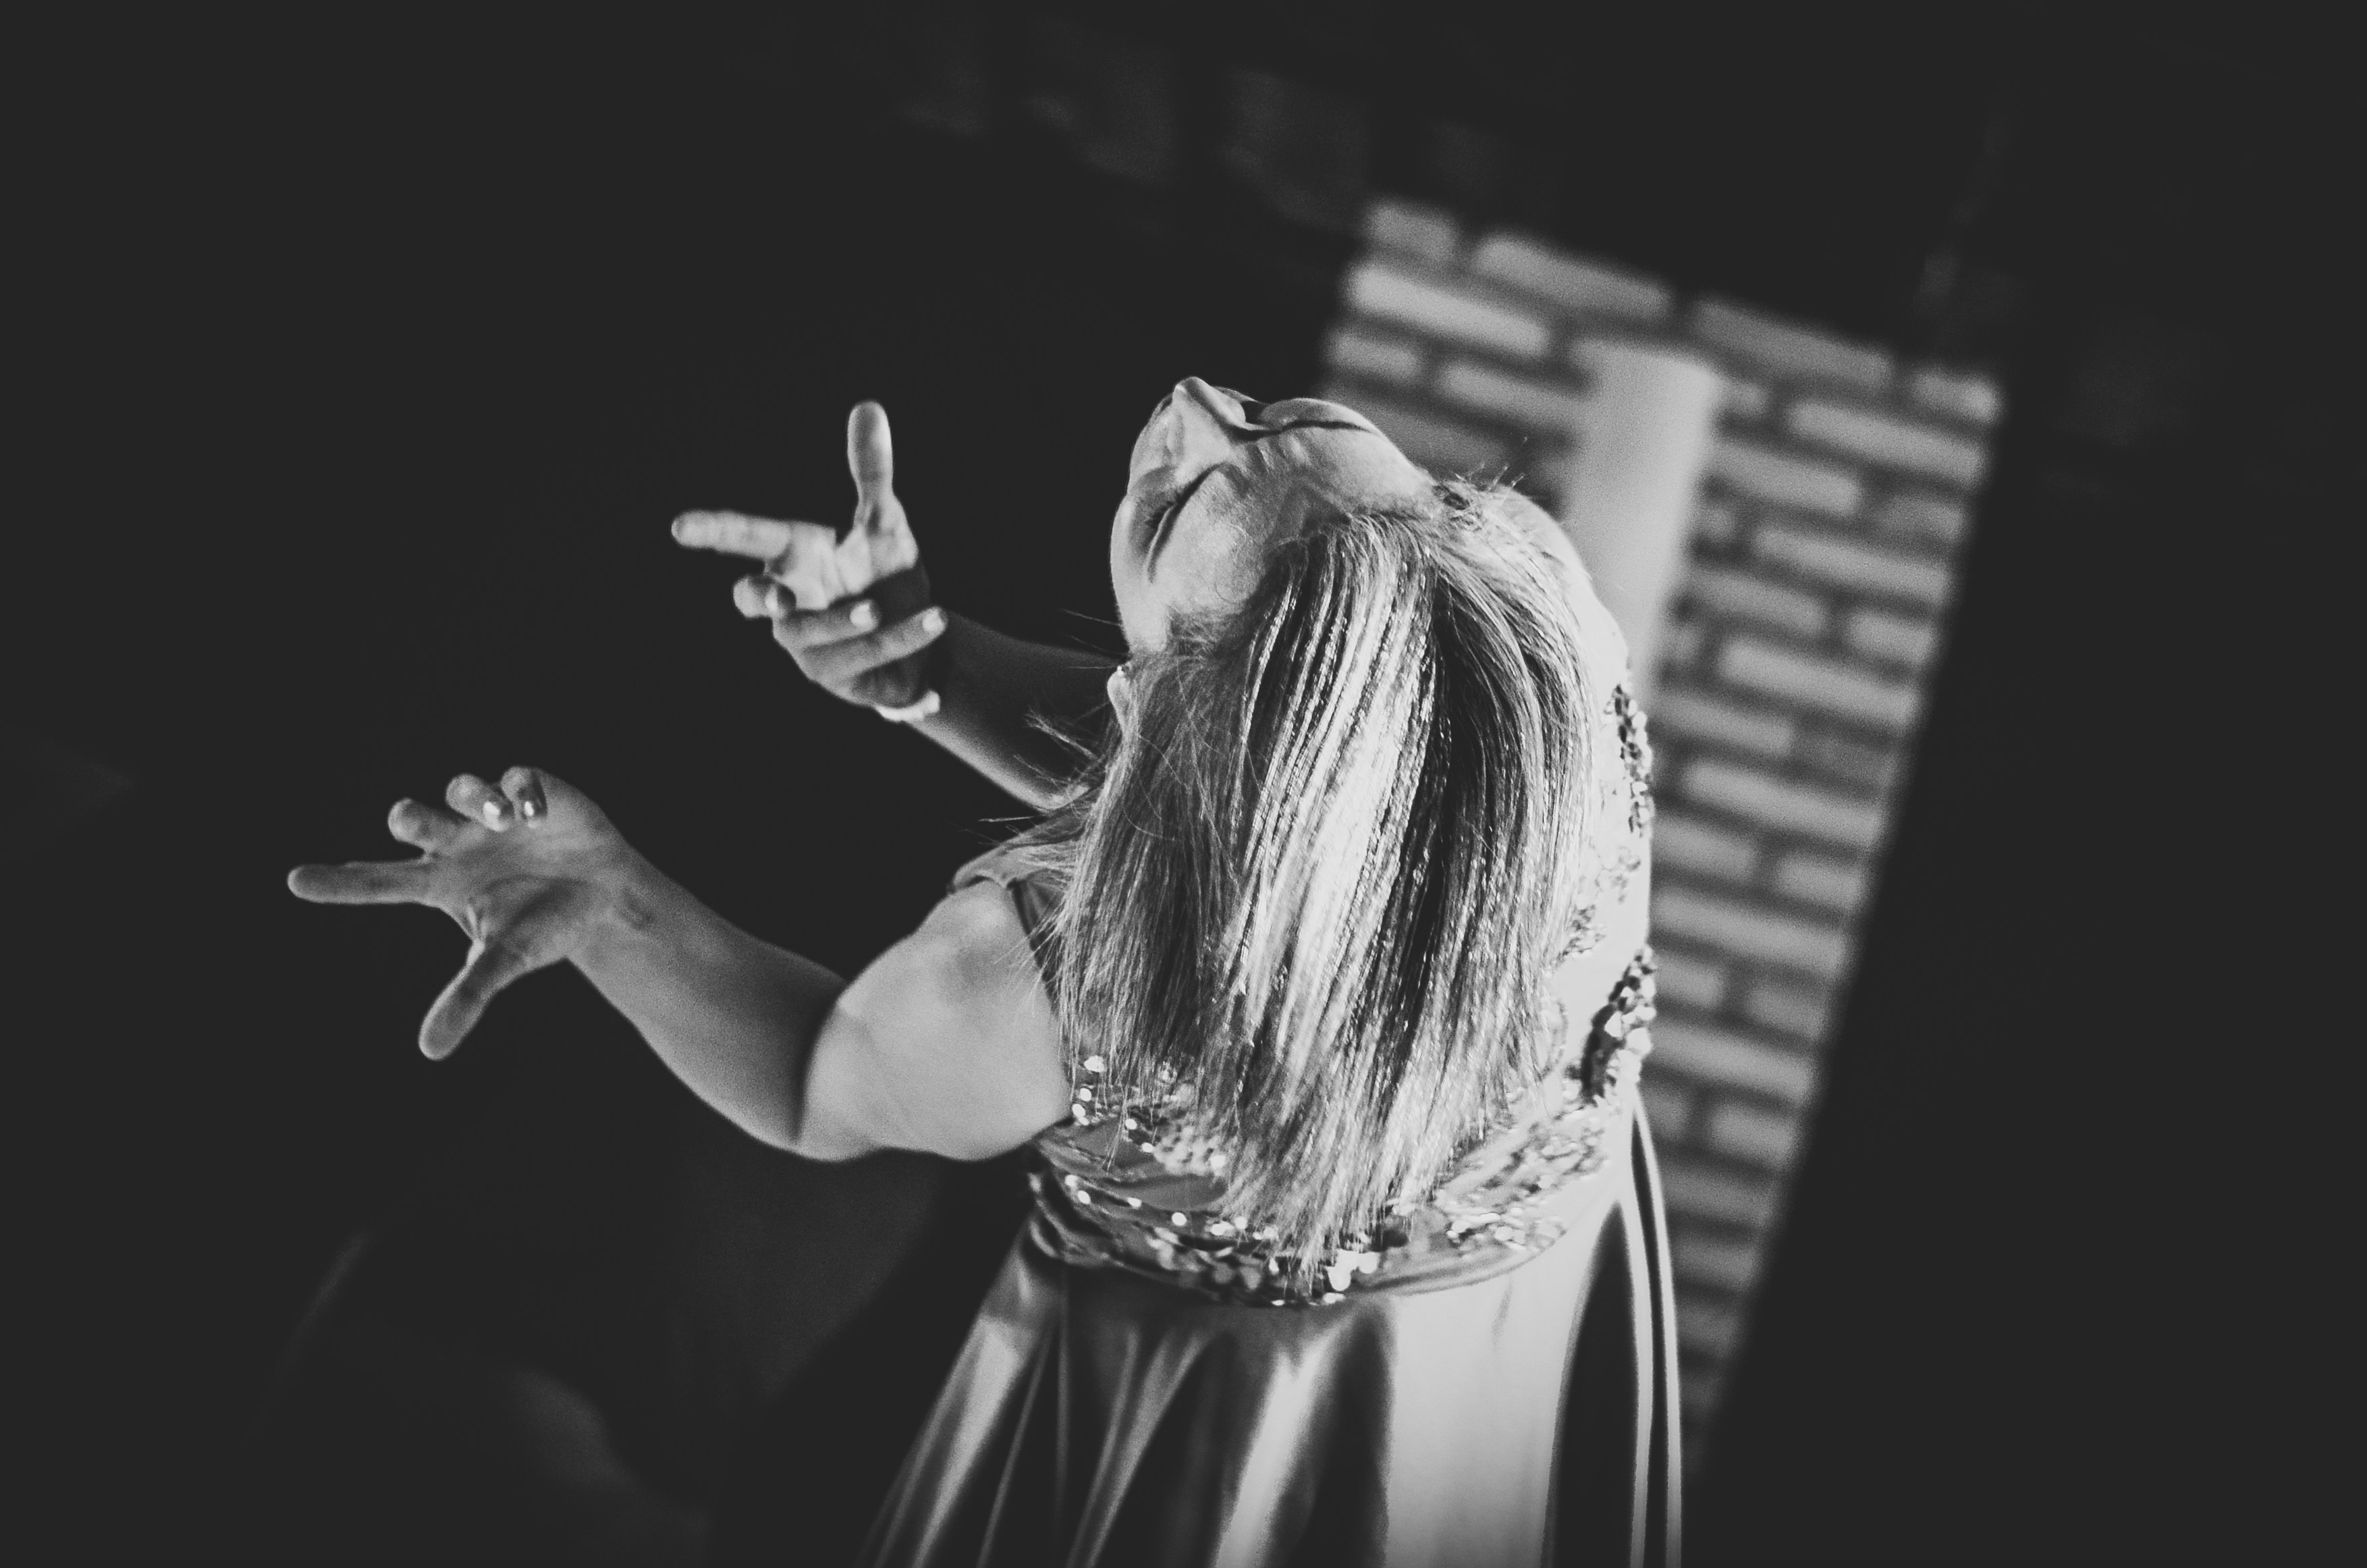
point(1174, 507)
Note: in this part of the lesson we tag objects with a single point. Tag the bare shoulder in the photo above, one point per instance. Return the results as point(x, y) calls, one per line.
point(975, 934)
point(949, 1035)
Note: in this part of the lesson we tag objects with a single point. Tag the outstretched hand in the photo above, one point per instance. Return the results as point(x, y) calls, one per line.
point(531, 871)
point(852, 610)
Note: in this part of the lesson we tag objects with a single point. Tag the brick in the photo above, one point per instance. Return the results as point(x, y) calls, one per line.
point(1761, 471)
point(1973, 398)
point(1776, 802)
point(1814, 681)
point(1712, 1327)
point(1746, 401)
point(1845, 761)
point(1431, 439)
point(1690, 981)
point(1800, 1011)
point(1846, 563)
point(1793, 348)
point(1678, 710)
point(1893, 443)
point(1717, 521)
point(1722, 1261)
point(1303, 150)
point(1668, 1108)
point(1816, 879)
point(1701, 1193)
point(1539, 404)
point(1698, 1392)
point(1749, 929)
point(1681, 644)
point(1395, 360)
point(1760, 1137)
point(1112, 99)
point(1436, 306)
point(1729, 1060)
point(1739, 595)
point(1893, 638)
point(1430, 234)
point(1687, 844)
point(1922, 515)
point(1577, 284)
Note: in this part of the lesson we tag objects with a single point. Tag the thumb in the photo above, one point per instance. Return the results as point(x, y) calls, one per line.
point(871, 458)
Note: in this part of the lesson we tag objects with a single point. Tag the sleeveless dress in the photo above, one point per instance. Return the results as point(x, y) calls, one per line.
point(1490, 1380)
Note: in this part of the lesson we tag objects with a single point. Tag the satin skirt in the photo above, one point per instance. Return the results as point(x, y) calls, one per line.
point(1097, 1418)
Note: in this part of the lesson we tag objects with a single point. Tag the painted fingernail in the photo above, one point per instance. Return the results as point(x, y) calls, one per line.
point(864, 616)
point(529, 807)
point(492, 813)
point(932, 621)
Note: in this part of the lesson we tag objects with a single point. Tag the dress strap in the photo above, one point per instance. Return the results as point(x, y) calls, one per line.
point(1036, 903)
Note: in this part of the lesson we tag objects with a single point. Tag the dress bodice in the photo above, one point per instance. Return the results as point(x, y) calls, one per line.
point(1142, 1187)
point(1146, 1192)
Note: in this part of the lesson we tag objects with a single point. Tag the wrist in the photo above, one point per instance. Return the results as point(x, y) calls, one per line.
point(640, 901)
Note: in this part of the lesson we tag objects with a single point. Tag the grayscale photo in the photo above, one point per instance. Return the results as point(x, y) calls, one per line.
point(1398, 785)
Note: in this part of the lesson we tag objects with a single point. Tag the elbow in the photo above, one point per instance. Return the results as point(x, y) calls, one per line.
point(823, 1139)
point(829, 1148)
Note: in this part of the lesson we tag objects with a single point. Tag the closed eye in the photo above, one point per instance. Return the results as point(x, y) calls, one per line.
point(1166, 519)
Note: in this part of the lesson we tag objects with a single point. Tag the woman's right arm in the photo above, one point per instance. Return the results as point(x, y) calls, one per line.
point(856, 613)
point(991, 687)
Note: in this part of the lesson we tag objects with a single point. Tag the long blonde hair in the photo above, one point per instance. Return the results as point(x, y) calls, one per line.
point(1323, 875)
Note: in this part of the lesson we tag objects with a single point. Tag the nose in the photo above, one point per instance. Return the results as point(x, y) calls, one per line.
point(1194, 393)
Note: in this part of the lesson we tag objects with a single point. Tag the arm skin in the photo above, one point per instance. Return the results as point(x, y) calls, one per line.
point(992, 684)
point(945, 1045)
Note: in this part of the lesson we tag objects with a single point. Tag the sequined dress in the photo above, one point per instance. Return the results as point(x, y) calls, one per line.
point(1488, 1380)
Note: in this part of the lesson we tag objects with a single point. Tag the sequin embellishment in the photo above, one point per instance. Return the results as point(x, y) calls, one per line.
point(1144, 1191)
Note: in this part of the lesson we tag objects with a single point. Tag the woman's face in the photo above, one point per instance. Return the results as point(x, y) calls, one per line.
point(1219, 480)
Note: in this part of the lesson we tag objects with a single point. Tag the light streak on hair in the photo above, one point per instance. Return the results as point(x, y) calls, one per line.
point(1325, 874)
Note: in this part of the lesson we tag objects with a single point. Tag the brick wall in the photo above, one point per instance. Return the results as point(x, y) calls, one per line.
point(1790, 674)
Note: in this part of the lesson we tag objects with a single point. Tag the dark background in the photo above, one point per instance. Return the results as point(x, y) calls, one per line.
point(361, 364)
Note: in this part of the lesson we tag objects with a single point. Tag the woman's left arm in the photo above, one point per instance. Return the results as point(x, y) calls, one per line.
point(945, 1045)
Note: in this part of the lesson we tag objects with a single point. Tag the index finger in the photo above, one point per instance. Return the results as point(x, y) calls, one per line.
point(362, 881)
point(870, 454)
point(759, 539)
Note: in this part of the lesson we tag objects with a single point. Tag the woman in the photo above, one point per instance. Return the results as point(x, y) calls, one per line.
point(1319, 993)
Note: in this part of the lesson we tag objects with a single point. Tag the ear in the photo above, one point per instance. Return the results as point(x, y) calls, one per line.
point(1120, 688)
